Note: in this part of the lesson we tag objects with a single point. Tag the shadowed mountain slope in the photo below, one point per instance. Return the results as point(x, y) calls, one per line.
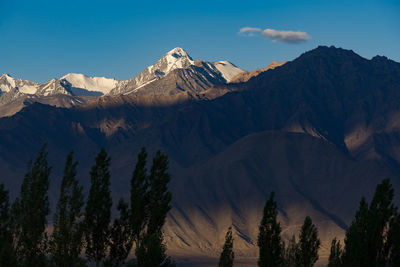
point(309, 175)
point(334, 118)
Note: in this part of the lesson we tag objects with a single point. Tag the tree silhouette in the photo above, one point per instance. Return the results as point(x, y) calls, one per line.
point(370, 238)
point(269, 238)
point(151, 248)
point(139, 210)
point(308, 244)
point(227, 255)
point(29, 213)
point(7, 253)
point(97, 212)
point(120, 237)
point(335, 256)
point(66, 240)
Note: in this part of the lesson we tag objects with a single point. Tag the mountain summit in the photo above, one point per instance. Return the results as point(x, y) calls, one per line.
point(186, 79)
point(175, 59)
point(324, 125)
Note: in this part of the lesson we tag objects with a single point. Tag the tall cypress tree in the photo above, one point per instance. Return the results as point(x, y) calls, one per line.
point(366, 238)
point(308, 244)
point(139, 209)
point(393, 242)
point(356, 247)
point(98, 210)
point(335, 256)
point(269, 237)
point(380, 212)
point(151, 249)
point(66, 240)
point(7, 253)
point(30, 210)
point(227, 255)
point(291, 252)
point(120, 237)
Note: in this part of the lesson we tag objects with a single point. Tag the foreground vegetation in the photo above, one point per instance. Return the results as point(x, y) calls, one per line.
point(24, 240)
point(84, 234)
point(372, 239)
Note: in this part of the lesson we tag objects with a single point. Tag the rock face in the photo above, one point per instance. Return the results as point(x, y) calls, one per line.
point(321, 131)
point(177, 60)
point(246, 75)
point(173, 79)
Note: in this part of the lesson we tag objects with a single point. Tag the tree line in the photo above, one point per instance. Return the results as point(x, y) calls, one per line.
point(81, 230)
point(85, 234)
point(371, 240)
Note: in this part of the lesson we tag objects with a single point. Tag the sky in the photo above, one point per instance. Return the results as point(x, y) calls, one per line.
point(44, 39)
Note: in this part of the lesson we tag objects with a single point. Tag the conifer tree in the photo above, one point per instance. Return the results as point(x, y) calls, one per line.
point(269, 237)
point(98, 210)
point(291, 253)
point(355, 252)
point(7, 253)
point(393, 242)
point(29, 213)
point(366, 238)
point(120, 238)
point(66, 240)
point(139, 210)
point(151, 248)
point(335, 256)
point(227, 255)
point(308, 244)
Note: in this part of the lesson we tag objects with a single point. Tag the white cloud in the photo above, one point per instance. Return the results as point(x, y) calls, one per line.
point(290, 37)
point(249, 31)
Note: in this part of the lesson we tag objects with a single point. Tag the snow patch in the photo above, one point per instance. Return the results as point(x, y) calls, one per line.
point(93, 84)
point(227, 69)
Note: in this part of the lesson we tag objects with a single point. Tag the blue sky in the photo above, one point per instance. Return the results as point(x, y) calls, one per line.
point(44, 39)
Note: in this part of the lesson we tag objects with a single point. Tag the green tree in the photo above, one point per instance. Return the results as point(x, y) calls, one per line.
point(121, 238)
point(291, 253)
point(366, 238)
point(29, 213)
point(7, 253)
point(66, 240)
point(98, 210)
point(151, 248)
point(139, 209)
point(269, 238)
point(356, 247)
point(227, 255)
point(393, 242)
point(335, 256)
point(308, 244)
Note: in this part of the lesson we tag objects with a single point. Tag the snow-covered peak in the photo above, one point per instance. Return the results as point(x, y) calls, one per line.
point(177, 58)
point(227, 69)
point(7, 83)
point(178, 52)
point(5, 75)
point(93, 84)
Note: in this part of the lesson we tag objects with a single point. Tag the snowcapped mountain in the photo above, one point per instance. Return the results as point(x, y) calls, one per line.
point(227, 69)
point(175, 77)
point(175, 59)
point(70, 84)
point(84, 85)
point(7, 83)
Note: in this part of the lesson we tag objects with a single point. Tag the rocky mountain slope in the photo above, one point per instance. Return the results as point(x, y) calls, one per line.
point(246, 75)
point(321, 131)
point(176, 59)
point(174, 78)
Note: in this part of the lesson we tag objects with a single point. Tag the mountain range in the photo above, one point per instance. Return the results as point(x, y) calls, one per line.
point(78, 89)
point(321, 131)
